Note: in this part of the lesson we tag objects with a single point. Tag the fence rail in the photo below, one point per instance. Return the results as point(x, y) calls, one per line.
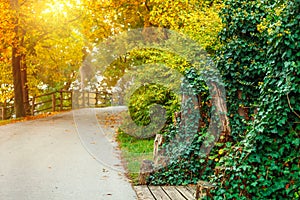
point(60, 101)
point(51, 102)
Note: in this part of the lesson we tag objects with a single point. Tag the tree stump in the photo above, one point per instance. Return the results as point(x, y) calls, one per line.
point(201, 186)
point(145, 171)
point(159, 154)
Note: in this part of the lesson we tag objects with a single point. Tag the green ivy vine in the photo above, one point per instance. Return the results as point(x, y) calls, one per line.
point(260, 65)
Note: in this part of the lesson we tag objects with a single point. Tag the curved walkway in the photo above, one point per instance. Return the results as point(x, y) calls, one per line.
point(47, 159)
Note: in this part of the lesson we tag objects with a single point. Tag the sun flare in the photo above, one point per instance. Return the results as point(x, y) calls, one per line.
point(61, 7)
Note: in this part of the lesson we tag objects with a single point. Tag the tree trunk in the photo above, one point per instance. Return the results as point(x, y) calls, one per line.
point(159, 155)
point(16, 66)
point(145, 171)
point(243, 112)
point(219, 102)
point(18, 92)
point(25, 85)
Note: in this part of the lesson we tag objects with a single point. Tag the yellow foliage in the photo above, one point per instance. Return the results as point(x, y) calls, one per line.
point(198, 20)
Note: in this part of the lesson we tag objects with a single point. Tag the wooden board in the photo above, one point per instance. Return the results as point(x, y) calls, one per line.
point(158, 193)
point(173, 193)
point(192, 189)
point(143, 192)
point(185, 192)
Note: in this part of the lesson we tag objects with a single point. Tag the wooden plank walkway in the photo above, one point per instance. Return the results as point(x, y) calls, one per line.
point(145, 192)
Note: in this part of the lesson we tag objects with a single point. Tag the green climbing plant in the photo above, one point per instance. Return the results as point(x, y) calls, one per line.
point(260, 59)
point(259, 64)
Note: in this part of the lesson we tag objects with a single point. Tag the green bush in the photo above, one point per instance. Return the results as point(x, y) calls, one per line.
point(187, 160)
point(146, 96)
point(261, 58)
point(260, 66)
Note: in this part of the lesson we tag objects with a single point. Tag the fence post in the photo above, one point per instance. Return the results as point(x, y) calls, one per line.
point(96, 98)
point(4, 116)
point(61, 100)
point(75, 99)
point(3, 113)
point(33, 105)
point(71, 97)
point(88, 99)
point(53, 102)
point(83, 98)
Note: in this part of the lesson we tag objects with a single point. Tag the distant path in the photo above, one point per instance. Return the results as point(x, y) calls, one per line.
point(45, 160)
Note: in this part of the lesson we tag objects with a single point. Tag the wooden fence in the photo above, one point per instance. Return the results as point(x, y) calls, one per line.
point(6, 112)
point(2, 113)
point(59, 101)
point(90, 99)
point(51, 102)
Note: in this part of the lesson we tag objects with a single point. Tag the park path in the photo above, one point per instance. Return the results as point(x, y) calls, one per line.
point(62, 157)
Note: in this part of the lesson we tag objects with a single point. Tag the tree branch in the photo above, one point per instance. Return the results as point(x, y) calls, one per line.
point(146, 5)
point(287, 96)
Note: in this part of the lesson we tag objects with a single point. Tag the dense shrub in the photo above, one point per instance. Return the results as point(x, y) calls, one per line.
point(260, 66)
point(261, 58)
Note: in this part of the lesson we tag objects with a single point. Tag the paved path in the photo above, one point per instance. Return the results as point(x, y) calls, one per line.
point(61, 158)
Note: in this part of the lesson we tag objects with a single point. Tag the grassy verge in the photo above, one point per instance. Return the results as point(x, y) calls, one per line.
point(134, 151)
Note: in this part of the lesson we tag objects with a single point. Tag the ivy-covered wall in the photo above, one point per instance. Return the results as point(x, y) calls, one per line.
point(261, 57)
point(260, 65)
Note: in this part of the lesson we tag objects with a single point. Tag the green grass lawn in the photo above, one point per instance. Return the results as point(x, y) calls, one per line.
point(134, 151)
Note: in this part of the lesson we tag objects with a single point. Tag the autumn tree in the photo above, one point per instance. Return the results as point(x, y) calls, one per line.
point(45, 39)
point(6, 35)
point(16, 61)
